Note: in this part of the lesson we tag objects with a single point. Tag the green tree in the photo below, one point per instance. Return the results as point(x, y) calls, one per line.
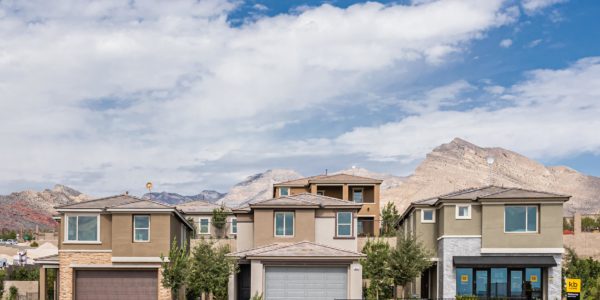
point(377, 269)
point(210, 269)
point(2, 276)
point(174, 270)
point(219, 219)
point(389, 218)
point(588, 270)
point(409, 259)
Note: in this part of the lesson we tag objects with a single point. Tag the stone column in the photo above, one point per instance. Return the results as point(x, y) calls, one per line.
point(313, 189)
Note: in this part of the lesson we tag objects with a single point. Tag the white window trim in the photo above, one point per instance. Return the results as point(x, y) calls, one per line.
point(284, 225)
point(66, 233)
point(200, 225)
point(337, 223)
point(468, 216)
point(134, 228)
point(362, 193)
point(423, 215)
point(321, 192)
point(231, 226)
point(537, 225)
point(283, 187)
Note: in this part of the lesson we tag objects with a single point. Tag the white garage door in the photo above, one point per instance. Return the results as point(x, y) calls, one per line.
point(319, 283)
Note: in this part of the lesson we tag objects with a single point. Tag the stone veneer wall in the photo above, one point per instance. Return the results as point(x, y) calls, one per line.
point(448, 248)
point(66, 279)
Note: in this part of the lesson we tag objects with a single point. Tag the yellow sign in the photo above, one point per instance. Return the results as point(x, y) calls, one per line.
point(573, 285)
point(464, 278)
point(533, 278)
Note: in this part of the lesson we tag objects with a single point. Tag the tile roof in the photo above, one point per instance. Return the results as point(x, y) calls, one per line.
point(304, 199)
point(336, 178)
point(303, 249)
point(118, 201)
point(200, 207)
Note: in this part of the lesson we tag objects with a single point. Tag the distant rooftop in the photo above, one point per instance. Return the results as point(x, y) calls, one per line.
point(303, 199)
point(200, 207)
point(117, 202)
point(324, 179)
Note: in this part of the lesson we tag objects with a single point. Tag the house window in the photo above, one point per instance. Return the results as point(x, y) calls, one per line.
point(464, 281)
point(141, 228)
point(284, 191)
point(284, 223)
point(427, 215)
point(520, 219)
point(344, 224)
point(204, 226)
point(463, 211)
point(83, 228)
point(357, 195)
point(234, 226)
point(321, 192)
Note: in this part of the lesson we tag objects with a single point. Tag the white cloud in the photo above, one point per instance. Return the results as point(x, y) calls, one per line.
point(534, 6)
point(534, 43)
point(505, 43)
point(108, 95)
point(554, 113)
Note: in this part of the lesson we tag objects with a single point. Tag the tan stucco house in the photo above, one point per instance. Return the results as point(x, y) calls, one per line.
point(110, 248)
point(300, 246)
point(201, 213)
point(490, 242)
point(357, 189)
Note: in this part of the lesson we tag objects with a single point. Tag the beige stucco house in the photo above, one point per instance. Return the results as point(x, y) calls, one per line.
point(201, 213)
point(300, 246)
point(357, 189)
point(491, 242)
point(110, 248)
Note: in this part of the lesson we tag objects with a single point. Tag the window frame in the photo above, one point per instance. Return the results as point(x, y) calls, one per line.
point(321, 192)
point(200, 225)
point(457, 211)
point(362, 195)
point(284, 187)
point(337, 224)
point(135, 228)
point(231, 226)
point(537, 219)
point(76, 241)
point(423, 215)
point(284, 224)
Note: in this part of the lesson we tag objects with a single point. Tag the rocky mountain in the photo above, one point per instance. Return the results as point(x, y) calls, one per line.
point(27, 209)
point(174, 198)
point(258, 186)
point(460, 164)
point(389, 181)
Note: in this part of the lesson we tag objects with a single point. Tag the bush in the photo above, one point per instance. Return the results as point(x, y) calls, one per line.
point(34, 244)
point(589, 224)
point(466, 297)
point(13, 293)
point(2, 276)
point(23, 273)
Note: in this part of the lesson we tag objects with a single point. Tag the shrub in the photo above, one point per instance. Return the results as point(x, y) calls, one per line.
point(13, 293)
point(257, 296)
point(23, 273)
point(219, 217)
point(34, 244)
point(589, 224)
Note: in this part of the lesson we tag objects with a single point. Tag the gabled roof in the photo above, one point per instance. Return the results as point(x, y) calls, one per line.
point(306, 200)
point(304, 249)
point(488, 193)
point(330, 179)
point(200, 207)
point(118, 201)
point(123, 203)
point(47, 260)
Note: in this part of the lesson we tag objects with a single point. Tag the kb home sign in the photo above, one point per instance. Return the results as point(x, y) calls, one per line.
point(573, 288)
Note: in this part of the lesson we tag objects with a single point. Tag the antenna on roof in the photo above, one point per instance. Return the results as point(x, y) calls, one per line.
point(490, 161)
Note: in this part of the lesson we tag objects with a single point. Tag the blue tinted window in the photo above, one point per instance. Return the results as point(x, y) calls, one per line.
point(533, 277)
point(499, 280)
point(531, 218)
point(516, 283)
point(481, 282)
point(464, 281)
point(514, 218)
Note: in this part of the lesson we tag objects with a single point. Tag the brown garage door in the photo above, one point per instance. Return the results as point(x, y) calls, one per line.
point(116, 284)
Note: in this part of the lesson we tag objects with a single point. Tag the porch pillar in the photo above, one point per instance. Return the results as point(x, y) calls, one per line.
point(256, 278)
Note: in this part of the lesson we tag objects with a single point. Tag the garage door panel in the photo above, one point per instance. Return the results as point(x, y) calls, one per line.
point(116, 284)
point(301, 283)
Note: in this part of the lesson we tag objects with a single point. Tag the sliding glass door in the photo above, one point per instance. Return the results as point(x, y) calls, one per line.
point(518, 283)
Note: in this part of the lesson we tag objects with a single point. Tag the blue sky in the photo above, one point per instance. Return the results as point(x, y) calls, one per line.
point(192, 95)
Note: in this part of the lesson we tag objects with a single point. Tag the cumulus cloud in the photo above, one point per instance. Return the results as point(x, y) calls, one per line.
point(108, 95)
point(553, 113)
point(534, 6)
point(505, 43)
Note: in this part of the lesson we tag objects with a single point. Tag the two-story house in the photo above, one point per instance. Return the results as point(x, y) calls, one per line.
point(352, 188)
point(110, 248)
point(298, 246)
point(490, 242)
point(201, 212)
